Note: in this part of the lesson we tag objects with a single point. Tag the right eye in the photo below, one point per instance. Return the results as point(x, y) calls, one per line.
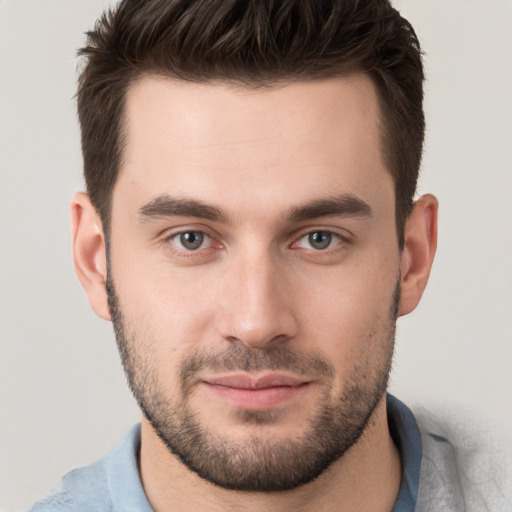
point(191, 240)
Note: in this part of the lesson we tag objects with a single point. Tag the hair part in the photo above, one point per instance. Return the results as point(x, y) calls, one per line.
point(251, 43)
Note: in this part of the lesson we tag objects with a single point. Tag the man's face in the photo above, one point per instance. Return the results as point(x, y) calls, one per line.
point(254, 270)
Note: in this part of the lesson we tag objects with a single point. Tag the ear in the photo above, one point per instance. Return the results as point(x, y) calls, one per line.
point(89, 252)
point(418, 253)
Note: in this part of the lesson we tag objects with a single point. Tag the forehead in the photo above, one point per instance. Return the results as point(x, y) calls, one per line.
point(290, 141)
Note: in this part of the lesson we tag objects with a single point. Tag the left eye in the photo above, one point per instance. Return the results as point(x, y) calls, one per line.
point(319, 240)
point(191, 240)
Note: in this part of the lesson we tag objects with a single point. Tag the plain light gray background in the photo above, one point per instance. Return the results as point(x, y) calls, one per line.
point(63, 399)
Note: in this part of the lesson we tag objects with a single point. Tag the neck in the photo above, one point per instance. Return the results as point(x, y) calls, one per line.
point(366, 478)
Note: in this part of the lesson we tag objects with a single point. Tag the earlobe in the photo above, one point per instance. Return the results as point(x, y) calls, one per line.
point(418, 253)
point(89, 252)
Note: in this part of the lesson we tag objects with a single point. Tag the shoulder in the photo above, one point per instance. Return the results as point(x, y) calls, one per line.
point(466, 462)
point(112, 483)
point(82, 489)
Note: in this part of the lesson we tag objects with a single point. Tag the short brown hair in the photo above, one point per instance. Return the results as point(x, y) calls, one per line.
point(251, 43)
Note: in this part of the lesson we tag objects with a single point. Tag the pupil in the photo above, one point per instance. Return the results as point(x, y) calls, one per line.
point(191, 240)
point(320, 240)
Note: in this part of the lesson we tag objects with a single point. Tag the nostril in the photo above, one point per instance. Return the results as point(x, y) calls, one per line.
point(258, 340)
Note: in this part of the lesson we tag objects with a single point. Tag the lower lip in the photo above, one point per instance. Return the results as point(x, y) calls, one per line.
point(256, 399)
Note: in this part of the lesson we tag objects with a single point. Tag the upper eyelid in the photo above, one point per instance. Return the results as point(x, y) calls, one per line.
point(344, 234)
point(341, 238)
point(168, 233)
point(209, 240)
point(293, 237)
point(177, 233)
point(165, 238)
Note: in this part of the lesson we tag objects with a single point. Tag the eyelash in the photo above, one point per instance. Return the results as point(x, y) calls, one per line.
point(190, 232)
point(340, 242)
point(330, 234)
point(200, 253)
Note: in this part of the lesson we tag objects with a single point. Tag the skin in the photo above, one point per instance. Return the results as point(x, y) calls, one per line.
point(256, 155)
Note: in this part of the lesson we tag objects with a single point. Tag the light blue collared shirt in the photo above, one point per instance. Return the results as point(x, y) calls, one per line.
point(113, 483)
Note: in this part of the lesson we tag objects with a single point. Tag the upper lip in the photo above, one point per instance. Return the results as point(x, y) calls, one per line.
point(247, 381)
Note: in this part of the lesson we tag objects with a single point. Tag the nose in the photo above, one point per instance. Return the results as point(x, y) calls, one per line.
point(256, 303)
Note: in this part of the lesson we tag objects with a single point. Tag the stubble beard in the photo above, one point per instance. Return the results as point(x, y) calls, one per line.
point(258, 463)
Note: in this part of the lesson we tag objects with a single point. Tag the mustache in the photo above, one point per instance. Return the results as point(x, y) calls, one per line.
point(246, 359)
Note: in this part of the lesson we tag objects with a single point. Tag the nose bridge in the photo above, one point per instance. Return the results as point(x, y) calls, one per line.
point(261, 282)
point(255, 305)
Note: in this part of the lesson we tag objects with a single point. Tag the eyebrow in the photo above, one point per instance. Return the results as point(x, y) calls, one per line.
point(166, 206)
point(345, 205)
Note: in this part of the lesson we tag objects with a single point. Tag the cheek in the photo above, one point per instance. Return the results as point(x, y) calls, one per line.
point(351, 313)
point(161, 330)
point(169, 310)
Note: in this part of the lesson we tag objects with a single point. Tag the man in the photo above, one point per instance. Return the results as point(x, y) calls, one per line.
point(250, 230)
